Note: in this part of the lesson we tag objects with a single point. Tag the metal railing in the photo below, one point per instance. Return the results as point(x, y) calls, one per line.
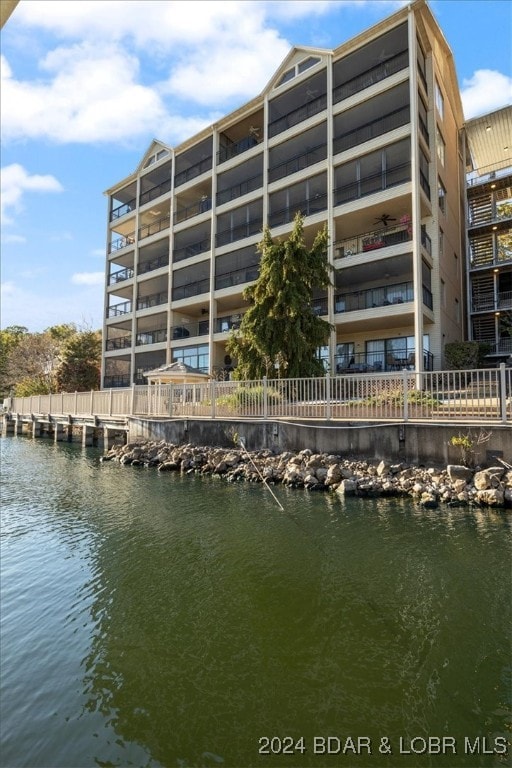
point(120, 275)
point(368, 185)
point(151, 194)
point(238, 190)
point(123, 209)
point(469, 396)
point(370, 241)
point(371, 76)
point(307, 207)
point(304, 159)
point(372, 129)
point(296, 116)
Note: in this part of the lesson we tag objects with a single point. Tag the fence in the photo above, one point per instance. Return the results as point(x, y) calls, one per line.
point(472, 395)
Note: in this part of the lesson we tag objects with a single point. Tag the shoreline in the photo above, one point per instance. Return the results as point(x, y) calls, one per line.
point(431, 487)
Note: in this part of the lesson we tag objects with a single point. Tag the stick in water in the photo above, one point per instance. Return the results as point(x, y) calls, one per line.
point(263, 479)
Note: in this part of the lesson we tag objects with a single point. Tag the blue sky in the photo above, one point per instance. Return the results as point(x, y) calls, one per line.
point(86, 85)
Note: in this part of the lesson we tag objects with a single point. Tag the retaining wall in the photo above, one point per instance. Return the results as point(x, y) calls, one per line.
point(412, 443)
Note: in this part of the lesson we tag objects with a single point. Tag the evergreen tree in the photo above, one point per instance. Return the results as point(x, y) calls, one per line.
point(79, 367)
point(280, 329)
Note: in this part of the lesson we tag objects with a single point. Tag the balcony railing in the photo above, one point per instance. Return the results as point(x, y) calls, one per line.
point(426, 242)
point(239, 232)
point(371, 77)
point(193, 249)
point(371, 241)
point(237, 190)
point(123, 209)
point(376, 182)
point(151, 337)
point(237, 277)
point(121, 242)
point(296, 116)
point(489, 301)
point(202, 205)
point(151, 264)
point(151, 194)
point(307, 207)
point(371, 130)
point(195, 170)
point(236, 148)
point(121, 342)
point(303, 160)
point(380, 296)
point(320, 306)
point(156, 226)
point(119, 380)
point(120, 275)
point(186, 330)
point(374, 362)
point(191, 289)
point(154, 300)
point(424, 184)
point(123, 308)
point(228, 323)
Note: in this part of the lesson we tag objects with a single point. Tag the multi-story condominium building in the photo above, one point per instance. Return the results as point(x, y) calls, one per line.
point(365, 138)
point(489, 232)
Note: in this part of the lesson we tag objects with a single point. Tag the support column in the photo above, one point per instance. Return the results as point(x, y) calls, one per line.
point(36, 428)
point(18, 425)
point(59, 430)
point(87, 435)
point(8, 424)
point(109, 437)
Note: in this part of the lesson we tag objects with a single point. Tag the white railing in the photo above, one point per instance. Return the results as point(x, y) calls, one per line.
point(474, 395)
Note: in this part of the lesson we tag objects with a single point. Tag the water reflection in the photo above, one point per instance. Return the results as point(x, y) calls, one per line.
point(202, 618)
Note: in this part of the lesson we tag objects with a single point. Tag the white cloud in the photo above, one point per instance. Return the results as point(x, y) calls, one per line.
point(486, 91)
point(13, 239)
point(88, 278)
point(16, 180)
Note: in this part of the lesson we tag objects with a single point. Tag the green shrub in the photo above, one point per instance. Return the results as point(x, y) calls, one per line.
point(460, 355)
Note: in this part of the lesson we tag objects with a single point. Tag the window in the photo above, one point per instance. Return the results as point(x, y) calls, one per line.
point(440, 146)
point(443, 293)
point(196, 357)
point(441, 196)
point(439, 100)
point(441, 243)
point(307, 63)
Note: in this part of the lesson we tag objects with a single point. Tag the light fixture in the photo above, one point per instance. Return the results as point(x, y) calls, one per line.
point(493, 186)
point(487, 127)
point(494, 228)
point(495, 270)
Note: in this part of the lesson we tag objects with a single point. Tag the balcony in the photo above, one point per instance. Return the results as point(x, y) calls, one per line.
point(371, 77)
point(121, 242)
point(371, 241)
point(151, 337)
point(119, 380)
point(372, 183)
point(151, 264)
point(239, 232)
point(120, 275)
point(122, 210)
point(121, 342)
point(380, 296)
point(228, 323)
point(201, 206)
point(372, 129)
point(299, 162)
point(123, 308)
point(157, 191)
point(238, 190)
point(298, 115)
point(236, 148)
point(186, 330)
point(190, 289)
point(154, 300)
point(306, 207)
point(237, 276)
point(197, 169)
point(193, 249)
point(491, 302)
point(156, 226)
point(378, 362)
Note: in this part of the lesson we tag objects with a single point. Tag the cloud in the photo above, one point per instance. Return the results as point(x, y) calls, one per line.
point(13, 239)
point(16, 180)
point(88, 278)
point(484, 92)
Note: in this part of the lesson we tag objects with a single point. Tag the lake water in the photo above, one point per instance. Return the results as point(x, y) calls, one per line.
point(157, 620)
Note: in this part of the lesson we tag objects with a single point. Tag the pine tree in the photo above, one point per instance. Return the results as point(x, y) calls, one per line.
point(280, 329)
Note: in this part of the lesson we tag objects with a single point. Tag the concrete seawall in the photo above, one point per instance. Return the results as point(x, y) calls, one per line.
point(412, 443)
